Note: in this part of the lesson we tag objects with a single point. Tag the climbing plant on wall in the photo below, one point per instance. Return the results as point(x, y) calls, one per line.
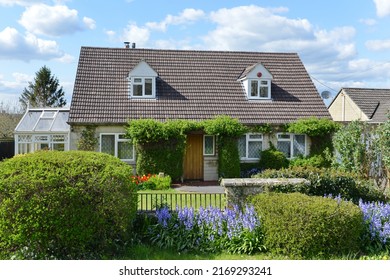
point(161, 145)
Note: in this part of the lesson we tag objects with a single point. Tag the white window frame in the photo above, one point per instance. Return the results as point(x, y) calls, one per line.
point(259, 87)
point(116, 141)
point(249, 139)
point(291, 141)
point(142, 83)
point(204, 145)
point(27, 142)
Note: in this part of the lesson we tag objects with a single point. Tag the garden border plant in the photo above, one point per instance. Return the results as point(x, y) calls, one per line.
point(65, 205)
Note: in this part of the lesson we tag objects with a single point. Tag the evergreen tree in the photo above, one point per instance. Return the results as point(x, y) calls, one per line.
point(44, 91)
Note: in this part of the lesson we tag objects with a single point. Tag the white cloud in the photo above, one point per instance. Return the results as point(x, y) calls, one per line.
point(368, 21)
point(262, 29)
point(134, 33)
point(14, 45)
point(249, 27)
point(19, 2)
point(187, 16)
point(56, 20)
point(382, 7)
point(378, 45)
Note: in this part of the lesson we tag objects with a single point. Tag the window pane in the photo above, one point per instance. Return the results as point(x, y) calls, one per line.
point(242, 146)
point(209, 145)
point(254, 148)
point(254, 86)
point(137, 80)
point(283, 136)
point(125, 150)
point(148, 86)
point(264, 92)
point(285, 147)
point(299, 145)
point(137, 90)
point(108, 144)
point(264, 83)
point(59, 147)
point(256, 136)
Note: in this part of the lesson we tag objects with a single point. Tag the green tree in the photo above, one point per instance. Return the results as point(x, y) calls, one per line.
point(45, 91)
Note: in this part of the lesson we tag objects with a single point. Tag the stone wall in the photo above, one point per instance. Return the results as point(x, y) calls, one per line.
point(237, 190)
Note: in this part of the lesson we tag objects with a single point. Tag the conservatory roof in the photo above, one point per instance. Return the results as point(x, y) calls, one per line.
point(44, 120)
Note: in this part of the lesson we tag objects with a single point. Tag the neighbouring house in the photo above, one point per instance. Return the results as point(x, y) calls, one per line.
point(115, 85)
point(42, 128)
point(365, 104)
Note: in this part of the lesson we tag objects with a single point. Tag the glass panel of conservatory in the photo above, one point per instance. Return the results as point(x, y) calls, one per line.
point(59, 123)
point(108, 144)
point(125, 150)
point(44, 125)
point(58, 146)
point(28, 122)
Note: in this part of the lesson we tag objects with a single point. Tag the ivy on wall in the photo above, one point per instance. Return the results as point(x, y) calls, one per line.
point(161, 145)
point(320, 130)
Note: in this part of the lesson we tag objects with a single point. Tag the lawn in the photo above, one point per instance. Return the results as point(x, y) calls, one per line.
point(148, 200)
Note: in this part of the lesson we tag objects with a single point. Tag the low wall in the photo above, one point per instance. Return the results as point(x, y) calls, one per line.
point(237, 190)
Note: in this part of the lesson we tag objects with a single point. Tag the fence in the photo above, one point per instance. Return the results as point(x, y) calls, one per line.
point(151, 201)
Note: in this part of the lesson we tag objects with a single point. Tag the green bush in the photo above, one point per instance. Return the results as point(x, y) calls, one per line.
point(302, 226)
point(328, 182)
point(317, 161)
point(272, 159)
point(65, 205)
point(160, 183)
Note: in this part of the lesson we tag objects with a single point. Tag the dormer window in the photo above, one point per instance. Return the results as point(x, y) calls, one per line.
point(256, 80)
point(260, 89)
point(142, 81)
point(142, 87)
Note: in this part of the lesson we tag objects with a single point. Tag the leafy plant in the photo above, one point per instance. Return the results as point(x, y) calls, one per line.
point(88, 140)
point(65, 205)
point(324, 181)
point(272, 159)
point(301, 226)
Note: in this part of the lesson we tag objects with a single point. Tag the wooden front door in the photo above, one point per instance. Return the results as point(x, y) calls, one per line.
point(193, 159)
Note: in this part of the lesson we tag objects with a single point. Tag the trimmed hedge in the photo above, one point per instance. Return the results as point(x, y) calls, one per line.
point(65, 205)
point(305, 227)
point(327, 182)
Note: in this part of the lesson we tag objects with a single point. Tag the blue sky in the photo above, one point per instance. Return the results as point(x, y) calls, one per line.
point(342, 43)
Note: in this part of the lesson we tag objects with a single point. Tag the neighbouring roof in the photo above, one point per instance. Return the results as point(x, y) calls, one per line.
point(44, 120)
point(193, 85)
point(375, 103)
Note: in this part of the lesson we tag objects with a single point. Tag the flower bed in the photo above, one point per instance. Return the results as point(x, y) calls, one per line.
point(208, 230)
point(377, 217)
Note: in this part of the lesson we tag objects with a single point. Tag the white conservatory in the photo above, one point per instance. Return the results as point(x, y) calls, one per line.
point(42, 129)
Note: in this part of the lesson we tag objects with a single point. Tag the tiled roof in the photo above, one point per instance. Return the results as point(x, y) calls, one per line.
point(375, 103)
point(191, 85)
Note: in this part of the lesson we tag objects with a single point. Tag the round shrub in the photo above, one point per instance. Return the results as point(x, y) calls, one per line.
point(302, 226)
point(65, 205)
point(272, 159)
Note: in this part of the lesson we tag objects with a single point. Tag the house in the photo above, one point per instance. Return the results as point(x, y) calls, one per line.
point(365, 104)
point(115, 85)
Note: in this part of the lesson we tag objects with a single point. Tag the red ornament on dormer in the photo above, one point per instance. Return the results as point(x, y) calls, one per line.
point(259, 74)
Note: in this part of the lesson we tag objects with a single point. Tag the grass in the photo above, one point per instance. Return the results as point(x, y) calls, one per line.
point(149, 200)
point(145, 252)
